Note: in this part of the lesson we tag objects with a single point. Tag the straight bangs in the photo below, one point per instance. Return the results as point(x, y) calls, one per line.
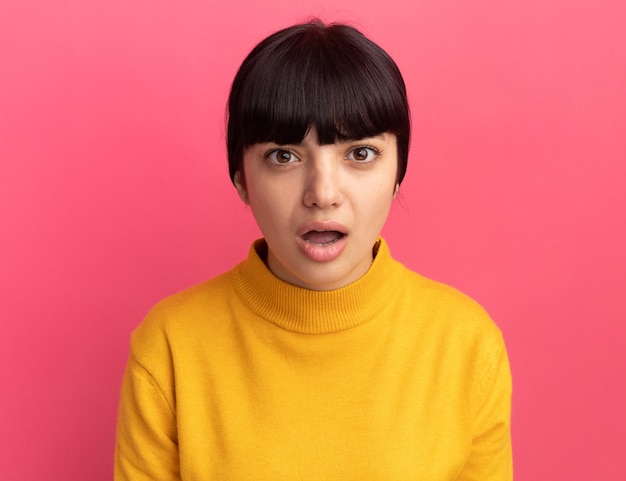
point(331, 78)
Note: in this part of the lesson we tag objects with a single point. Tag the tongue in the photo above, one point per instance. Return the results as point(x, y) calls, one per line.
point(322, 238)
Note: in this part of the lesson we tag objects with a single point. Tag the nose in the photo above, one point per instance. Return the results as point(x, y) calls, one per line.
point(322, 185)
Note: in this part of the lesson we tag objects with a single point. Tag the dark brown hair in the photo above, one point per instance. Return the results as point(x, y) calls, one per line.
point(312, 74)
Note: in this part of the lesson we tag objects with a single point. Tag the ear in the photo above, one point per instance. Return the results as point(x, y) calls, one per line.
point(396, 190)
point(240, 184)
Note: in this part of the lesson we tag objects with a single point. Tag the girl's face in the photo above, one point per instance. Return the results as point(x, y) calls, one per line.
point(320, 208)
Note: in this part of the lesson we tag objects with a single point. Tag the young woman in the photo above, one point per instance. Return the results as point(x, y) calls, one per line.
point(319, 357)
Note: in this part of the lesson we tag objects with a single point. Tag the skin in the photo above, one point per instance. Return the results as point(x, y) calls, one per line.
point(294, 189)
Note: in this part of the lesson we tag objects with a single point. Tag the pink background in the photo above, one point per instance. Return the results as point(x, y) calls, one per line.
point(114, 193)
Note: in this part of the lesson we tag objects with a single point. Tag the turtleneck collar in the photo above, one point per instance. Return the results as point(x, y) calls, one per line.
point(315, 312)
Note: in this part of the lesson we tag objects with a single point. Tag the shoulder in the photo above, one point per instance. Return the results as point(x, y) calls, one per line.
point(181, 319)
point(457, 330)
point(439, 308)
point(442, 299)
point(195, 299)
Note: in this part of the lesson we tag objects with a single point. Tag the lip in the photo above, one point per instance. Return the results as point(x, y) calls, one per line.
point(320, 253)
point(322, 226)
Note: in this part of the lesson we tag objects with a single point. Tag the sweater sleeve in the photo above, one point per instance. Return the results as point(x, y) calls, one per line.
point(491, 455)
point(146, 445)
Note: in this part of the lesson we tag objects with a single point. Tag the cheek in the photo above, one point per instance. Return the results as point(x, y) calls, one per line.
point(374, 203)
point(377, 191)
point(268, 203)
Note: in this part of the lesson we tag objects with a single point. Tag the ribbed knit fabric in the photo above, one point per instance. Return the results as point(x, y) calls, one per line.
point(246, 377)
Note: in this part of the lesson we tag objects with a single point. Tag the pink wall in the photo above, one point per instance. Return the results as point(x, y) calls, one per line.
point(114, 193)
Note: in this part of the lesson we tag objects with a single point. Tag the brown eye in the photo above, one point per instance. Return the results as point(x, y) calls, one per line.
point(363, 154)
point(360, 154)
point(281, 156)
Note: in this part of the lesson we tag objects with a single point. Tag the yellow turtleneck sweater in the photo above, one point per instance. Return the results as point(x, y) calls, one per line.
point(245, 377)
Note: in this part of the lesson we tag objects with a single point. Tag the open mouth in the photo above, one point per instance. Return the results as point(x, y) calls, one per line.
point(322, 238)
